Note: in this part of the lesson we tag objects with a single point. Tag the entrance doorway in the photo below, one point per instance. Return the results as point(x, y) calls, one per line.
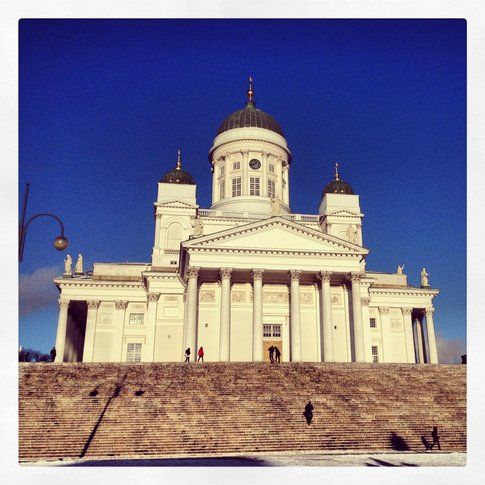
point(272, 337)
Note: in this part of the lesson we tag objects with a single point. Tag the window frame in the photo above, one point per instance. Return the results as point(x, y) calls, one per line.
point(272, 186)
point(138, 314)
point(236, 188)
point(136, 352)
point(255, 186)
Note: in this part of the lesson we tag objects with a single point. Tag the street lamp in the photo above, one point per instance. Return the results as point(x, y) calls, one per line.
point(60, 242)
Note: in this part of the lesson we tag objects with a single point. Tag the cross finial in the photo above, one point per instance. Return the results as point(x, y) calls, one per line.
point(250, 90)
point(179, 159)
point(336, 171)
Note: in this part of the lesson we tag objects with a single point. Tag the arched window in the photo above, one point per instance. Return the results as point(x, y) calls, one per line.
point(174, 235)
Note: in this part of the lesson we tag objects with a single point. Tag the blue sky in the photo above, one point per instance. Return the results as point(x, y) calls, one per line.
point(105, 104)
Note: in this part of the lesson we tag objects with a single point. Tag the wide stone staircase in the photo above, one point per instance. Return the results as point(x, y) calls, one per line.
point(104, 410)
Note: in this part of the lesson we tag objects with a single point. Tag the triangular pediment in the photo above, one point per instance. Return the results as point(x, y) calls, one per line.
point(176, 203)
point(275, 234)
point(343, 213)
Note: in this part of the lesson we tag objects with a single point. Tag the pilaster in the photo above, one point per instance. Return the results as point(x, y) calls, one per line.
point(295, 318)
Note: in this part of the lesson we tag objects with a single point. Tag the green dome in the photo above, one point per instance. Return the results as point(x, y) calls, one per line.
point(250, 117)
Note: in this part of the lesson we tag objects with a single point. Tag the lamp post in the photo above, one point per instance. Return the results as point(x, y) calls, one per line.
point(60, 242)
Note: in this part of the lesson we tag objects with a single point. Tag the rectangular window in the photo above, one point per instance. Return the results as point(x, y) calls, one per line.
point(236, 186)
point(271, 167)
point(236, 166)
point(221, 170)
point(373, 323)
point(136, 319)
point(375, 354)
point(253, 185)
point(272, 331)
point(271, 188)
point(222, 188)
point(133, 352)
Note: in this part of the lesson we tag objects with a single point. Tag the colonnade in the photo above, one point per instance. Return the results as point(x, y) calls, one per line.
point(295, 315)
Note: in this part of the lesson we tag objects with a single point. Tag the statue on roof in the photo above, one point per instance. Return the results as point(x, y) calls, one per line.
point(400, 269)
point(275, 206)
point(424, 277)
point(198, 227)
point(78, 269)
point(68, 265)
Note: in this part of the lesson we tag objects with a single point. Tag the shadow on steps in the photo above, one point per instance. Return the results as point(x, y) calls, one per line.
point(224, 461)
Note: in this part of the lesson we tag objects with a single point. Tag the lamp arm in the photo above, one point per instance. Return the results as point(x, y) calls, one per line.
point(48, 215)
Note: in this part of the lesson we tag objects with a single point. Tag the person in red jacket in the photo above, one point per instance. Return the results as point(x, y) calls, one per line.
point(200, 353)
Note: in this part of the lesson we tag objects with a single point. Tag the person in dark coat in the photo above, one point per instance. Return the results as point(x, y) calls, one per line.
point(187, 354)
point(53, 354)
point(436, 438)
point(200, 353)
point(271, 353)
point(308, 413)
point(277, 354)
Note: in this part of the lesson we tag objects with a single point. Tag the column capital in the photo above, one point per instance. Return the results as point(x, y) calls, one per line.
point(257, 273)
point(355, 277)
point(406, 311)
point(384, 310)
point(226, 272)
point(192, 272)
point(93, 304)
point(153, 297)
point(121, 304)
point(324, 275)
point(295, 274)
point(365, 300)
point(429, 311)
point(63, 304)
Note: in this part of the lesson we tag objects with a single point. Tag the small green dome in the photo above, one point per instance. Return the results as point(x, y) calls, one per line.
point(177, 175)
point(337, 186)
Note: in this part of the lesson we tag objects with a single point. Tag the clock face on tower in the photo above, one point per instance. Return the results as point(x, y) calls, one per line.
point(254, 164)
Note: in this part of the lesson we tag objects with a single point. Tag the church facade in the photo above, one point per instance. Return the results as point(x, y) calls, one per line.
point(247, 273)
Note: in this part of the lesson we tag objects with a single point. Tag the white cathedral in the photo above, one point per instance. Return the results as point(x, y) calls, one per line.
point(247, 273)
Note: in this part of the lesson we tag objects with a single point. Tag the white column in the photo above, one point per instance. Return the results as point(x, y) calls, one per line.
point(264, 174)
point(191, 316)
point(419, 339)
point(432, 350)
point(119, 320)
point(61, 330)
point(245, 176)
point(408, 335)
point(286, 189)
point(89, 335)
point(225, 327)
point(148, 354)
point(279, 176)
point(257, 314)
point(326, 309)
point(385, 326)
point(366, 328)
point(215, 186)
point(357, 318)
point(295, 323)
